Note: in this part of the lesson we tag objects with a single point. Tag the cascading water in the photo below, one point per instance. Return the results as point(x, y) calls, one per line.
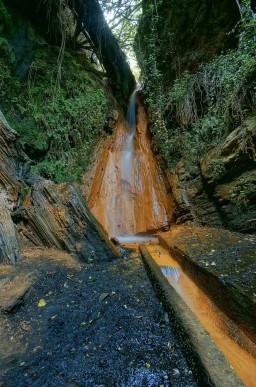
point(126, 157)
point(118, 207)
point(129, 194)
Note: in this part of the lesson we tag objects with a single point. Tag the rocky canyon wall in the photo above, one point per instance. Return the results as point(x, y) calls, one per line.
point(53, 215)
point(221, 189)
point(199, 69)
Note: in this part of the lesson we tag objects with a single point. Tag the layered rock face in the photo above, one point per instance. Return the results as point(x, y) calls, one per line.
point(221, 191)
point(229, 173)
point(10, 188)
point(54, 215)
point(192, 203)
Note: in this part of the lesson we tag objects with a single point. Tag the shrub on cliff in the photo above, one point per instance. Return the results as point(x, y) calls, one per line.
point(197, 109)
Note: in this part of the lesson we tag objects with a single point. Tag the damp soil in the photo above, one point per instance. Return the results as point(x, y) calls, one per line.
point(101, 325)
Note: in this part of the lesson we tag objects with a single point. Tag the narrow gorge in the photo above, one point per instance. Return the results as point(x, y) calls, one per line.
point(127, 193)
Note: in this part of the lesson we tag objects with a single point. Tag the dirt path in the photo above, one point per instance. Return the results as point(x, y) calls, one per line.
point(100, 326)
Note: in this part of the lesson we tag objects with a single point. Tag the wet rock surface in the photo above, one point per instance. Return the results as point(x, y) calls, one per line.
point(99, 326)
point(223, 264)
point(202, 324)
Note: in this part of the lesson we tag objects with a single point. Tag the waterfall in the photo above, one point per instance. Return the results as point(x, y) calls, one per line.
point(129, 194)
point(126, 170)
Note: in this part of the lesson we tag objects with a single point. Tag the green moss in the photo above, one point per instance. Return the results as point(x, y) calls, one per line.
point(58, 109)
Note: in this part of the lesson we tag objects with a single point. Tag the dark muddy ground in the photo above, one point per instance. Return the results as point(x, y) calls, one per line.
point(101, 326)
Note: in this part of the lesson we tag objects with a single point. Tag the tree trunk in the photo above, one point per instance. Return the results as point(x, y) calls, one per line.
point(89, 14)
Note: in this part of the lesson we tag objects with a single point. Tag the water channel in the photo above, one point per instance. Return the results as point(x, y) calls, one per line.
point(222, 330)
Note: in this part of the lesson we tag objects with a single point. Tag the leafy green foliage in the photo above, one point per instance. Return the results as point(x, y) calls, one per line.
point(196, 111)
point(242, 193)
point(10, 87)
point(59, 116)
point(69, 167)
point(69, 112)
point(217, 169)
point(153, 80)
point(214, 100)
point(122, 17)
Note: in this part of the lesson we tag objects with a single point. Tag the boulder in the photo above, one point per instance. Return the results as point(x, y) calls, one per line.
point(236, 155)
point(221, 191)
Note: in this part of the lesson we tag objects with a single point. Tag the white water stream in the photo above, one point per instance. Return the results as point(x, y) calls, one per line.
point(126, 156)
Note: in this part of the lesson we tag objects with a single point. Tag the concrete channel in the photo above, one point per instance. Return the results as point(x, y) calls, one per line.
point(207, 360)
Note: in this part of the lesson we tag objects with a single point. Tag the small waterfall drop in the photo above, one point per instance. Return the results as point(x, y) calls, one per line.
point(126, 158)
point(129, 194)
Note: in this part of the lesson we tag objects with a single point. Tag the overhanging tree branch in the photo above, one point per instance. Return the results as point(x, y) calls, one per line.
point(90, 16)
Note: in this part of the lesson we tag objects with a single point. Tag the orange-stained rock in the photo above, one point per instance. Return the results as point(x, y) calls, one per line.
point(130, 197)
point(27, 200)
